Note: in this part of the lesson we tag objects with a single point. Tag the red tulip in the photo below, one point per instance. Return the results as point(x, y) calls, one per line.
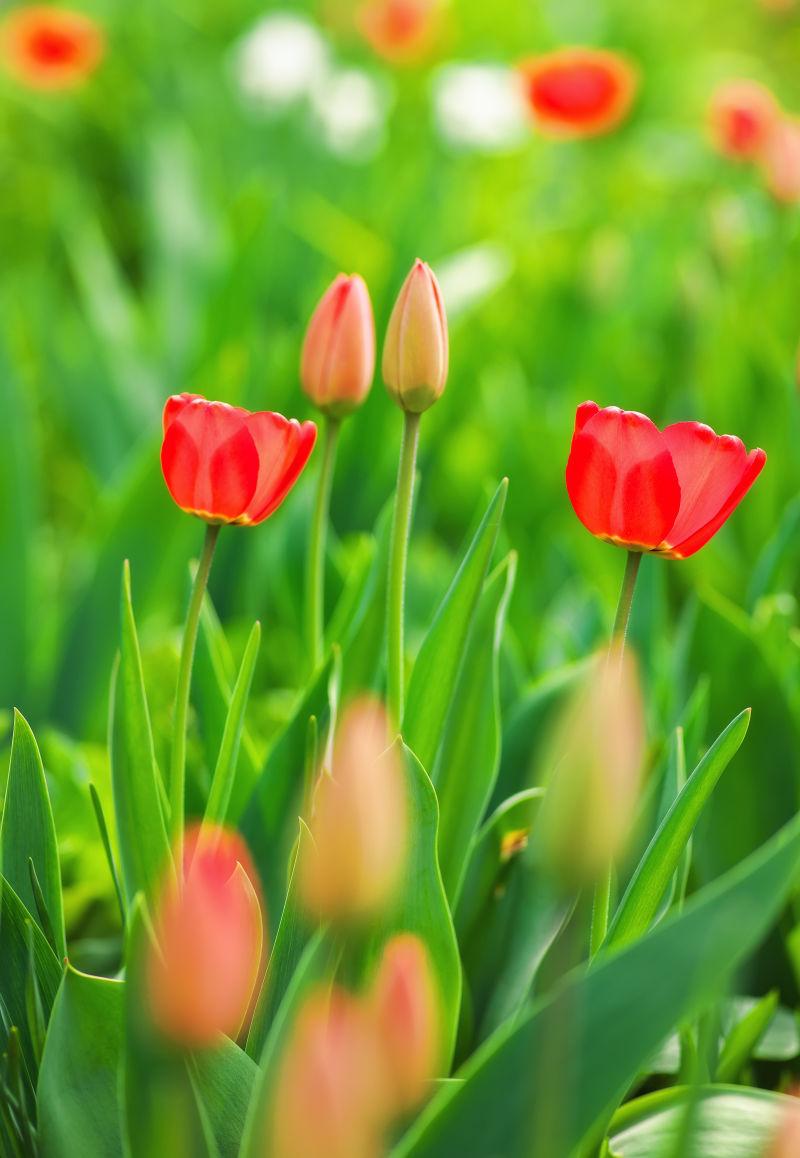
point(402, 31)
point(579, 92)
point(780, 162)
point(646, 489)
point(50, 48)
point(406, 1011)
point(226, 465)
point(338, 361)
point(742, 117)
point(209, 938)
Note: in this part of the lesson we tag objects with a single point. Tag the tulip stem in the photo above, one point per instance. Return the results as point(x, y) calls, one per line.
point(315, 579)
point(178, 767)
point(398, 557)
point(601, 908)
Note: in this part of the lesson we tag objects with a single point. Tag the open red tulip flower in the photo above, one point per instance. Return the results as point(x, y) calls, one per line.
point(579, 92)
point(742, 117)
point(228, 465)
point(50, 48)
point(665, 491)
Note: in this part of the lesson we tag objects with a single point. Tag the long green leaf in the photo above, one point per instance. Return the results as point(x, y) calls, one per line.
point(143, 842)
point(28, 832)
point(225, 772)
point(744, 1037)
point(547, 1083)
point(663, 855)
point(440, 659)
point(469, 756)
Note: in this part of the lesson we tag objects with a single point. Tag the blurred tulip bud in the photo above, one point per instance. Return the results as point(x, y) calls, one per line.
point(416, 350)
point(338, 362)
point(331, 1093)
point(597, 759)
point(358, 824)
point(742, 117)
point(401, 31)
point(406, 1012)
point(203, 970)
point(786, 1142)
point(780, 162)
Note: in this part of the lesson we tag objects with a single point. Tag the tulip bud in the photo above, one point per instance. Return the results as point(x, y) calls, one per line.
point(351, 865)
point(416, 350)
point(786, 1140)
point(743, 115)
point(331, 1093)
point(406, 1012)
point(204, 967)
point(338, 361)
point(780, 162)
point(596, 759)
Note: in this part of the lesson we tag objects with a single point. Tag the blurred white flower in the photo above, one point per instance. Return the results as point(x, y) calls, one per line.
point(281, 59)
point(480, 106)
point(350, 108)
point(470, 276)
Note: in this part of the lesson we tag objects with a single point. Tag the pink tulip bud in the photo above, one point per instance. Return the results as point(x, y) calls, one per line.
point(742, 117)
point(406, 1014)
point(338, 362)
point(780, 162)
point(205, 964)
point(416, 350)
point(331, 1094)
point(350, 866)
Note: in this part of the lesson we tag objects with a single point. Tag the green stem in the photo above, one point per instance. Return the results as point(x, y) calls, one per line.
point(315, 579)
point(178, 768)
point(601, 908)
point(398, 556)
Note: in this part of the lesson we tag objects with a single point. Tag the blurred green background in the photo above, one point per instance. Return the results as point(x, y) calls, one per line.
point(170, 226)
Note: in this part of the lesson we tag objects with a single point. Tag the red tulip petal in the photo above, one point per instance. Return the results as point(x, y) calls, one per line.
point(621, 480)
point(579, 91)
point(175, 406)
point(715, 473)
point(284, 446)
point(210, 461)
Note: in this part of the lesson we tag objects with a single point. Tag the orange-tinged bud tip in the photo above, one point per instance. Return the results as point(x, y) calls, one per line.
point(204, 967)
point(406, 1010)
point(350, 864)
point(416, 350)
point(338, 359)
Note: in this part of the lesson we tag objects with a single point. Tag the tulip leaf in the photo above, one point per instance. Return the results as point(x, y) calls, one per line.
point(222, 784)
point(441, 656)
point(27, 833)
point(269, 824)
point(21, 943)
point(135, 778)
point(315, 967)
point(662, 858)
point(744, 1036)
point(362, 640)
point(559, 1070)
point(726, 1122)
point(288, 947)
point(78, 1085)
point(469, 756)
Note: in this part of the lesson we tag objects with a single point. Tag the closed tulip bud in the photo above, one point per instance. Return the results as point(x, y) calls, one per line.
point(780, 162)
point(350, 866)
point(331, 1092)
point(596, 760)
point(416, 350)
point(406, 1012)
point(338, 362)
point(205, 964)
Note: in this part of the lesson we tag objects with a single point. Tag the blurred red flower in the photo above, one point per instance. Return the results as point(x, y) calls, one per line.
point(742, 117)
point(579, 92)
point(780, 162)
point(203, 970)
point(50, 48)
point(226, 465)
point(402, 31)
point(645, 489)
